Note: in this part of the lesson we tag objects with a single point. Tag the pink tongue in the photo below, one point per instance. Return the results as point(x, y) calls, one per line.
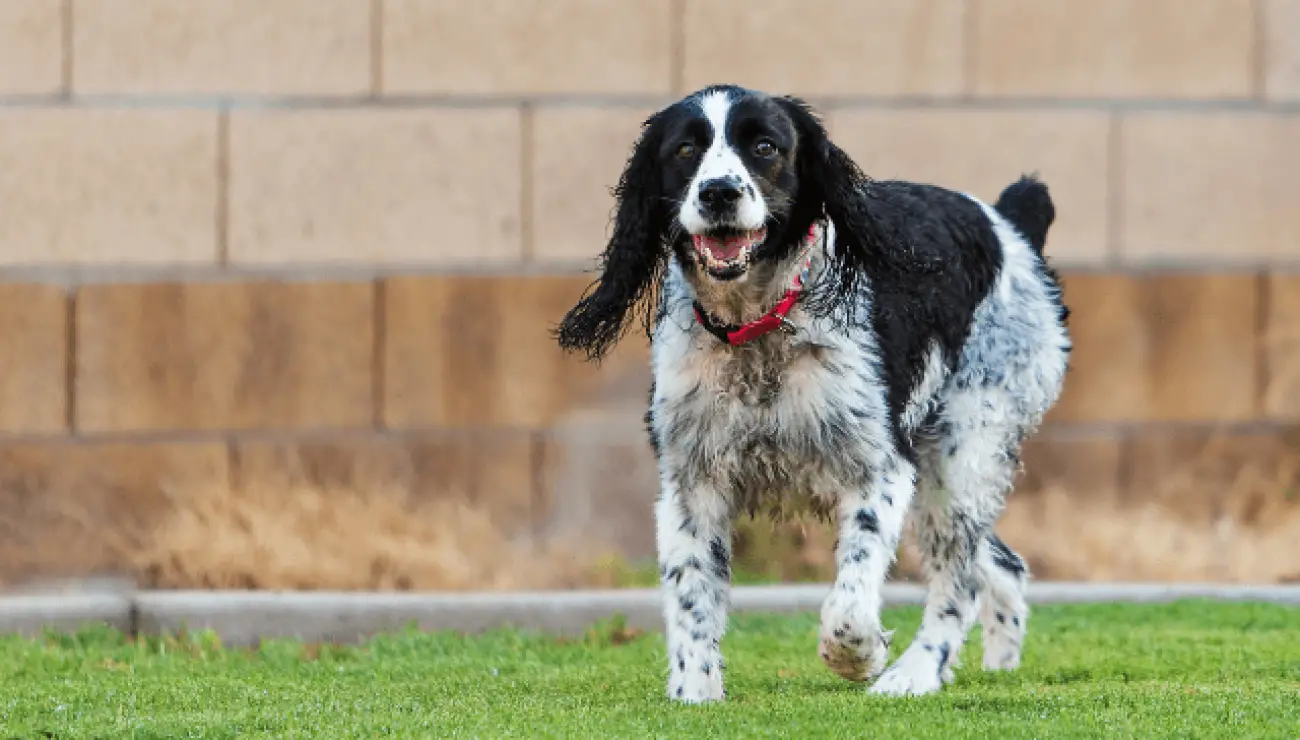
point(722, 249)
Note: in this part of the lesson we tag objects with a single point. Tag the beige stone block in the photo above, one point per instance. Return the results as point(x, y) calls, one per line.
point(33, 359)
point(477, 351)
point(87, 186)
point(364, 463)
point(92, 509)
point(1282, 347)
point(198, 47)
point(1167, 348)
point(1204, 361)
point(142, 475)
point(31, 47)
point(578, 155)
point(521, 47)
point(1281, 25)
point(827, 47)
point(1214, 187)
point(1114, 48)
point(1085, 468)
point(981, 152)
point(255, 355)
point(431, 186)
point(1108, 377)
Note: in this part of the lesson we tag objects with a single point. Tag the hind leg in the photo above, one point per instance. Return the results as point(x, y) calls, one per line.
point(1004, 613)
point(959, 497)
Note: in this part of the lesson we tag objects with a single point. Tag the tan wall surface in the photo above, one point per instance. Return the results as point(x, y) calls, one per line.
point(249, 244)
point(462, 132)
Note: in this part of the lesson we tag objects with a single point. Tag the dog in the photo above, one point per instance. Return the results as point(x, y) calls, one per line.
point(874, 350)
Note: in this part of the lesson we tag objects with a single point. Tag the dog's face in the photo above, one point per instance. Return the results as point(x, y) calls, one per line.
point(728, 158)
point(724, 179)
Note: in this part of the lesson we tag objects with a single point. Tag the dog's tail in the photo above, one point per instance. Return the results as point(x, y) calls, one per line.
point(1028, 206)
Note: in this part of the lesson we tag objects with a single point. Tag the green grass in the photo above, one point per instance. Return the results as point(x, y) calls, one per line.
point(1192, 669)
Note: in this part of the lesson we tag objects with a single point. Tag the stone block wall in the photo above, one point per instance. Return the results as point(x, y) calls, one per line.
point(266, 243)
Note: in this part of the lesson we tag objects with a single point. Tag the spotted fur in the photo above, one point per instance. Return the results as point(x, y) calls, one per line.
point(930, 344)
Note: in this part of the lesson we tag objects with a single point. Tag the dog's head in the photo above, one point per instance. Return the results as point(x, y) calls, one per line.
point(724, 179)
point(729, 159)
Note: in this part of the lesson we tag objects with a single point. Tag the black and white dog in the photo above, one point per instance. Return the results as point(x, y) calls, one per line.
point(871, 349)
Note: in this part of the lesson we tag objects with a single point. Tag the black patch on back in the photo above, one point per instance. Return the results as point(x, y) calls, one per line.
point(931, 297)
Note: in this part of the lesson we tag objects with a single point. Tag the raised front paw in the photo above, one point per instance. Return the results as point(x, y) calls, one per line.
point(855, 650)
point(854, 654)
point(852, 644)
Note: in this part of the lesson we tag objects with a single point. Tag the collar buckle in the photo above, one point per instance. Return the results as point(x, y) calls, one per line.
point(788, 326)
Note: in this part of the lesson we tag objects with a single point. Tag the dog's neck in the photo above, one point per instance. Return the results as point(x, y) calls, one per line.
point(762, 286)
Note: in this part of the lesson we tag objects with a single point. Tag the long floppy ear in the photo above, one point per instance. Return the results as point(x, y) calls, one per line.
point(831, 183)
point(632, 261)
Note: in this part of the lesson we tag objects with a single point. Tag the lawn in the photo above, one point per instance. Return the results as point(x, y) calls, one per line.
point(1191, 669)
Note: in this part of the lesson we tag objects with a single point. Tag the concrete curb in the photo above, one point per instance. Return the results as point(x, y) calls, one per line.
point(245, 617)
point(31, 615)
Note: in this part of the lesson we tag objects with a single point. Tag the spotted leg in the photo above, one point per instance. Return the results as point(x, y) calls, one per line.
point(948, 546)
point(1004, 612)
point(960, 494)
point(694, 541)
point(852, 642)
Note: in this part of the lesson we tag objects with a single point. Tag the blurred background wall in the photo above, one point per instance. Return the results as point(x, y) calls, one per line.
point(277, 275)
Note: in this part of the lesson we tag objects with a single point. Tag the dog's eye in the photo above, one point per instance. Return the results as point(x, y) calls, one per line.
point(686, 150)
point(764, 148)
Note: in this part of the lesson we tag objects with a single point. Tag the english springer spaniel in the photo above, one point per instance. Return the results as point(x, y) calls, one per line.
point(870, 349)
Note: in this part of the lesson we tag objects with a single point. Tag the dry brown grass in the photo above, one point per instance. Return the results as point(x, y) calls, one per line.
point(1213, 508)
point(312, 538)
point(1065, 538)
point(1233, 519)
point(1209, 508)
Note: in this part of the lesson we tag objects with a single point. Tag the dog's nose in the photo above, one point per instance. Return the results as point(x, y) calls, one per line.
point(719, 193)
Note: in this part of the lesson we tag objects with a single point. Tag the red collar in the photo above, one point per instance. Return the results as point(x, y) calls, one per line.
point(768, 322)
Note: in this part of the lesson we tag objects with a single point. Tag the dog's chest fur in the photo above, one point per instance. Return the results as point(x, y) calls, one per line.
point(751, 376)
point(768, 422)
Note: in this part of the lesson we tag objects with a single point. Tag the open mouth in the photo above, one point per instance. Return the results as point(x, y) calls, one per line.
point(725, 253)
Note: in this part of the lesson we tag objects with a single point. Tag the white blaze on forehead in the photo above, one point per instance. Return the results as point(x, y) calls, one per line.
point(721, 160)
point(716, 107)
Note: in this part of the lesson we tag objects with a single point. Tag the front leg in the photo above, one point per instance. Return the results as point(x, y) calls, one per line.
point(870, 522)
point(694, 538)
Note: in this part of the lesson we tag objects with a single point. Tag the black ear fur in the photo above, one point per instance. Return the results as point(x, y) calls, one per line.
point(633, 259)
point(830, 183)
